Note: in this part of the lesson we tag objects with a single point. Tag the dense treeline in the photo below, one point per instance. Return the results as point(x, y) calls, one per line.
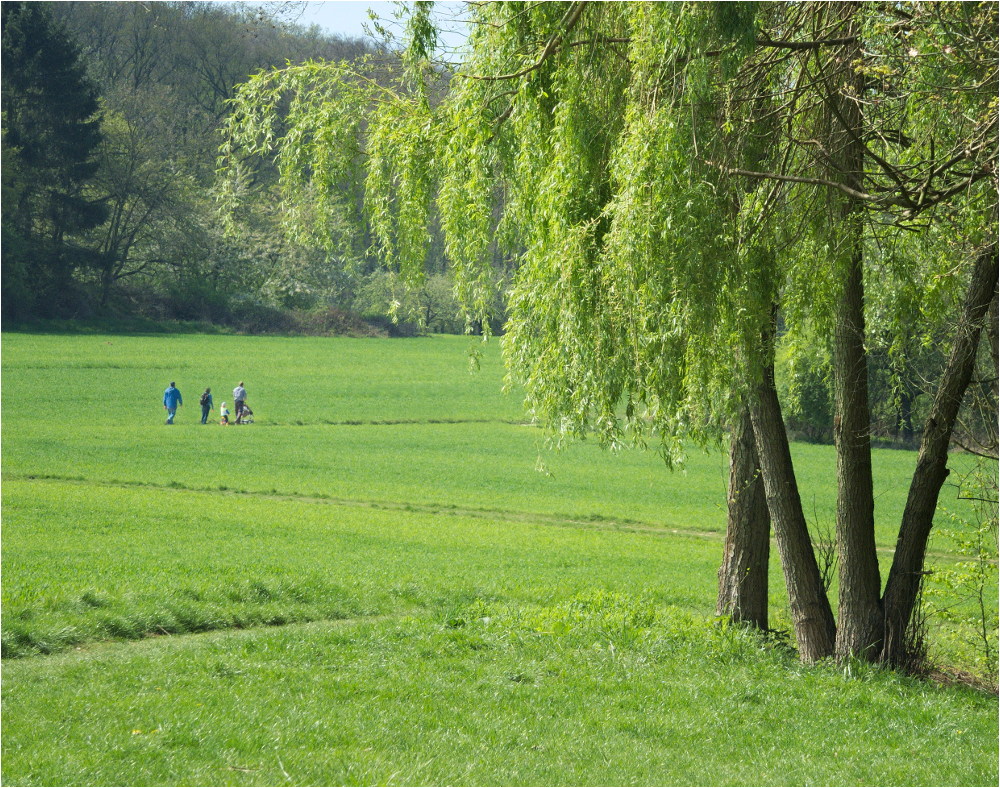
point(111, 118)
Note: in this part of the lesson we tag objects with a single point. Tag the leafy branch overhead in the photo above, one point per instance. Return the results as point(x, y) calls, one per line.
point(602, 145)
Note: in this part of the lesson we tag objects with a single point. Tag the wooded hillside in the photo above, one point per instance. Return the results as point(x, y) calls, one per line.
point(111, 121)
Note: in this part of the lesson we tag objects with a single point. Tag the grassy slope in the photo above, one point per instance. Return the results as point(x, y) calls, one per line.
point(478, 600)
point(85, 562)
point(495, 701)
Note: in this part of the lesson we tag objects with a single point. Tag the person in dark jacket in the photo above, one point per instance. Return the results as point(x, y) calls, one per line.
point(206, 405)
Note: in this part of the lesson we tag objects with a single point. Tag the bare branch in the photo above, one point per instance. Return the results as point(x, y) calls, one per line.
point(801, 46)
point(859, 195)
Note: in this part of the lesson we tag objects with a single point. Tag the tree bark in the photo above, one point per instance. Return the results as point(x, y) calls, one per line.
point(859, 618)
point(812, 617)
point(859, 614)
point(743, 574)
point(918, 516)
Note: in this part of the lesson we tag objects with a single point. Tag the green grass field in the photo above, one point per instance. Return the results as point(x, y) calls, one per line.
point(390, 579)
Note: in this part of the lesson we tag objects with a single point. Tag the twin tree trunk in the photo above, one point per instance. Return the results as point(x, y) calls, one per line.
point(869, 625)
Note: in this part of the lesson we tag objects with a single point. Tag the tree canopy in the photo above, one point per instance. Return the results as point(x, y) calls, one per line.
point(660, 173)
point(154, 79)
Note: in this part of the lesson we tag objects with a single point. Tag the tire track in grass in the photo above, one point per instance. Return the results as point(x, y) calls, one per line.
point(392, 422)
point(592, 522)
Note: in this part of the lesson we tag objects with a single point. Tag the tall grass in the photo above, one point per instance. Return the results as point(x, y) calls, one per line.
point(489, 695)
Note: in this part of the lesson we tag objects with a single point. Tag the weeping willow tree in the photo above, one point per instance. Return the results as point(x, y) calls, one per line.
point(676, 181)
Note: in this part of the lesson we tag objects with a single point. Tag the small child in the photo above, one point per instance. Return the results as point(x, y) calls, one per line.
point(224, 412)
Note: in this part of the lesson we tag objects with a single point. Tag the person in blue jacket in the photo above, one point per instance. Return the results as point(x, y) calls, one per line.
point(171, 399)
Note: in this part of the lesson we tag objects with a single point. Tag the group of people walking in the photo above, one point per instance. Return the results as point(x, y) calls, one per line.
point(172, 400)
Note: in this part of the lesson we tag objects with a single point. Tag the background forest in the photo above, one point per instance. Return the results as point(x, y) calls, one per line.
point(110, 138)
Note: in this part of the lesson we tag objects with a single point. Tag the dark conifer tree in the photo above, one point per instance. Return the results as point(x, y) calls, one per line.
point(51, 129)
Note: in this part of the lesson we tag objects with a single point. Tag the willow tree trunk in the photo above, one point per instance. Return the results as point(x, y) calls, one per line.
point(859, 613)
point(907, 568)
point(743, 574)
point(859, 618)
point(812, 617)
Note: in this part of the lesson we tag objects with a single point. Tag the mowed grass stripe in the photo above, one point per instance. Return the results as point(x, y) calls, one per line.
point(394, 422)
point(521, 516)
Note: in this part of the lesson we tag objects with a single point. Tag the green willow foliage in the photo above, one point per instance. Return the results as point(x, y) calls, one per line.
point(616, 233)
point(596, 144)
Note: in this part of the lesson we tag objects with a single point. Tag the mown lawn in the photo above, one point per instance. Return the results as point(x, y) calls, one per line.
point(390, 579)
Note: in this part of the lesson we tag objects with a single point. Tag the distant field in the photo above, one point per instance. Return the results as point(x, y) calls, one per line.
point(483, 610)
point(402, 421)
